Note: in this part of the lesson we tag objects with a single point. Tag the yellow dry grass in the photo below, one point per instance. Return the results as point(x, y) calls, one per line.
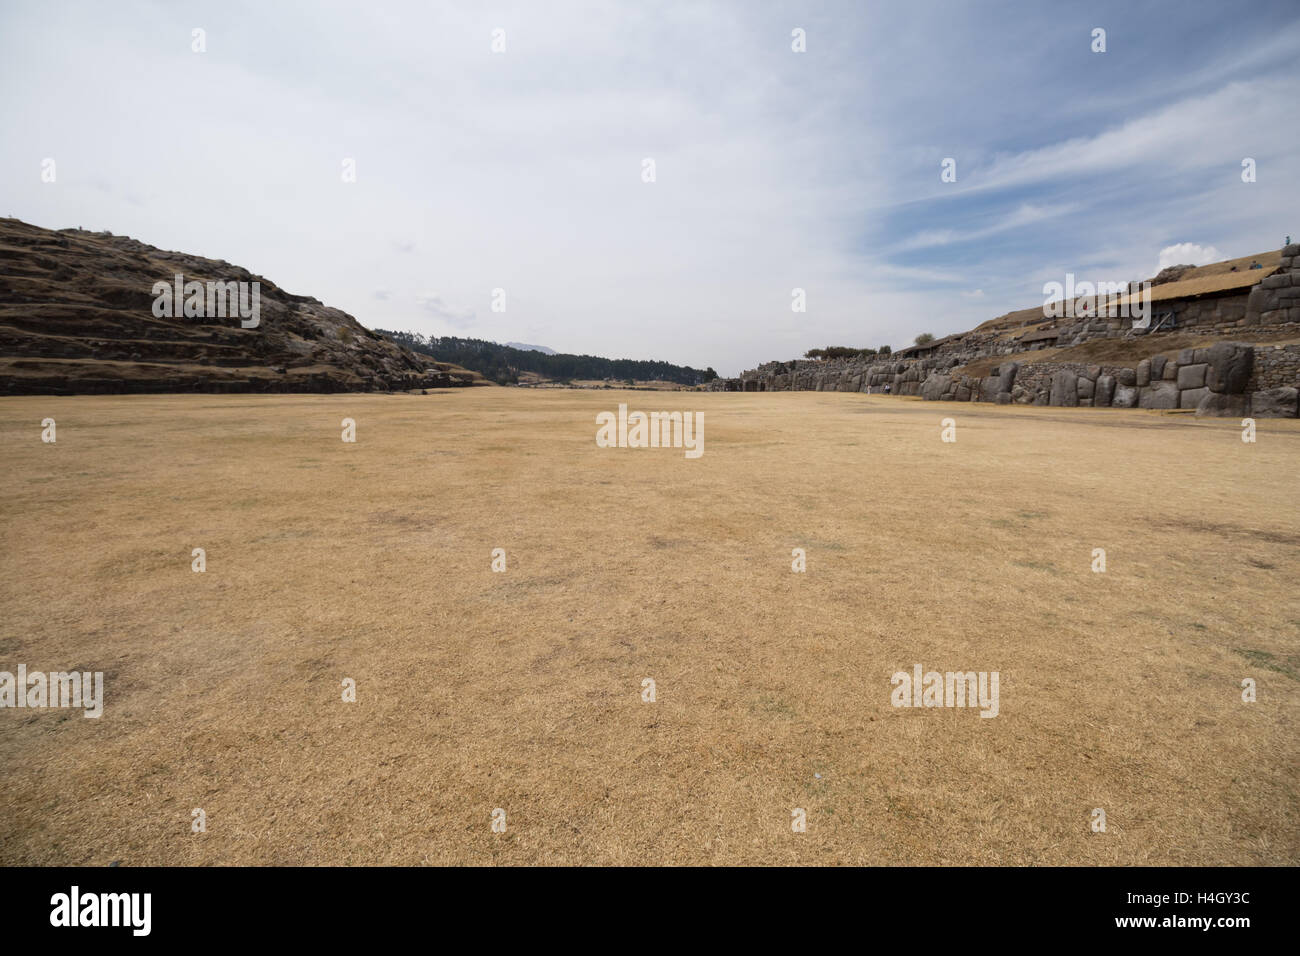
point(522, 690)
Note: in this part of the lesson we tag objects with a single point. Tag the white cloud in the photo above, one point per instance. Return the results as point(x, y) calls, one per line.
point(1189, 253)
point(1023, 215)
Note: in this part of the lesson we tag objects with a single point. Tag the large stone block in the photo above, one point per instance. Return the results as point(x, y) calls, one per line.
point(1191, 376)
point(1230, 365)
point(1158, 363)
point(1191, 397)
point(1105, 391)
point(989, 388)
point(1126, 396)
point(1064, 390)
point(1086, 387)
point(934, 387)
point(1215, 405)
point(1143, 373)
point(1008, 375)
point(1260, 300)
point(1170, 374)
point(1275, 403)
point(1126, 376)
point(1159, 395)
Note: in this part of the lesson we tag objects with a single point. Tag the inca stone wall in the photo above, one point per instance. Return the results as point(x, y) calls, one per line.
point(1224, 379)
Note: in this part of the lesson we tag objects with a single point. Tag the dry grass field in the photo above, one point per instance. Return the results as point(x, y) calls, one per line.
point(522, 690)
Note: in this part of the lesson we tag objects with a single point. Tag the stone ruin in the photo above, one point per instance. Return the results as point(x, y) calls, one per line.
point(1226, 379)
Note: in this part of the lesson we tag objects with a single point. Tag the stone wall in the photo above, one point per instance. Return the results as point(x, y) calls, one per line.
point(1222, 311)
point(1276, 366)
point(1228, 378)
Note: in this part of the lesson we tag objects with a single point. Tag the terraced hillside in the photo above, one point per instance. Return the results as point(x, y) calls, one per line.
point(77, 316)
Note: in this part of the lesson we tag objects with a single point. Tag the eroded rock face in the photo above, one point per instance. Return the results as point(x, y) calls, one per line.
point(77, 317)
point(1171, 274)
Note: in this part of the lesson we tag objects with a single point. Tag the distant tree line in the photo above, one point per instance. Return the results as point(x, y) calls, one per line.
point(844, 351)
point(502, 364)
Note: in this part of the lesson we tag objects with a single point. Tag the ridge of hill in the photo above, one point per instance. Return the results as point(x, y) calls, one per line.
point(80, 313)
point(504, 363)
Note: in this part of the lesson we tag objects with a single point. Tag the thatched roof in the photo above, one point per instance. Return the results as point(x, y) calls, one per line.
point(1214, 279)
point(1196, 285)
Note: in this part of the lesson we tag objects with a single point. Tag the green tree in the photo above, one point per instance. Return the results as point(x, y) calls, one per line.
point(925, 338)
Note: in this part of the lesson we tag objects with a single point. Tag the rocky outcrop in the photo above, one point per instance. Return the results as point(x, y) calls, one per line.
point(77, 315)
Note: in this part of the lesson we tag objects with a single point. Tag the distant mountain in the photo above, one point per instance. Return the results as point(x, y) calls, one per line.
point(530, 348)
point(503, 363)
point(80, 313)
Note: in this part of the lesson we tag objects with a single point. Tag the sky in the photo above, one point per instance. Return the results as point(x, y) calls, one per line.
point(524, 169)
